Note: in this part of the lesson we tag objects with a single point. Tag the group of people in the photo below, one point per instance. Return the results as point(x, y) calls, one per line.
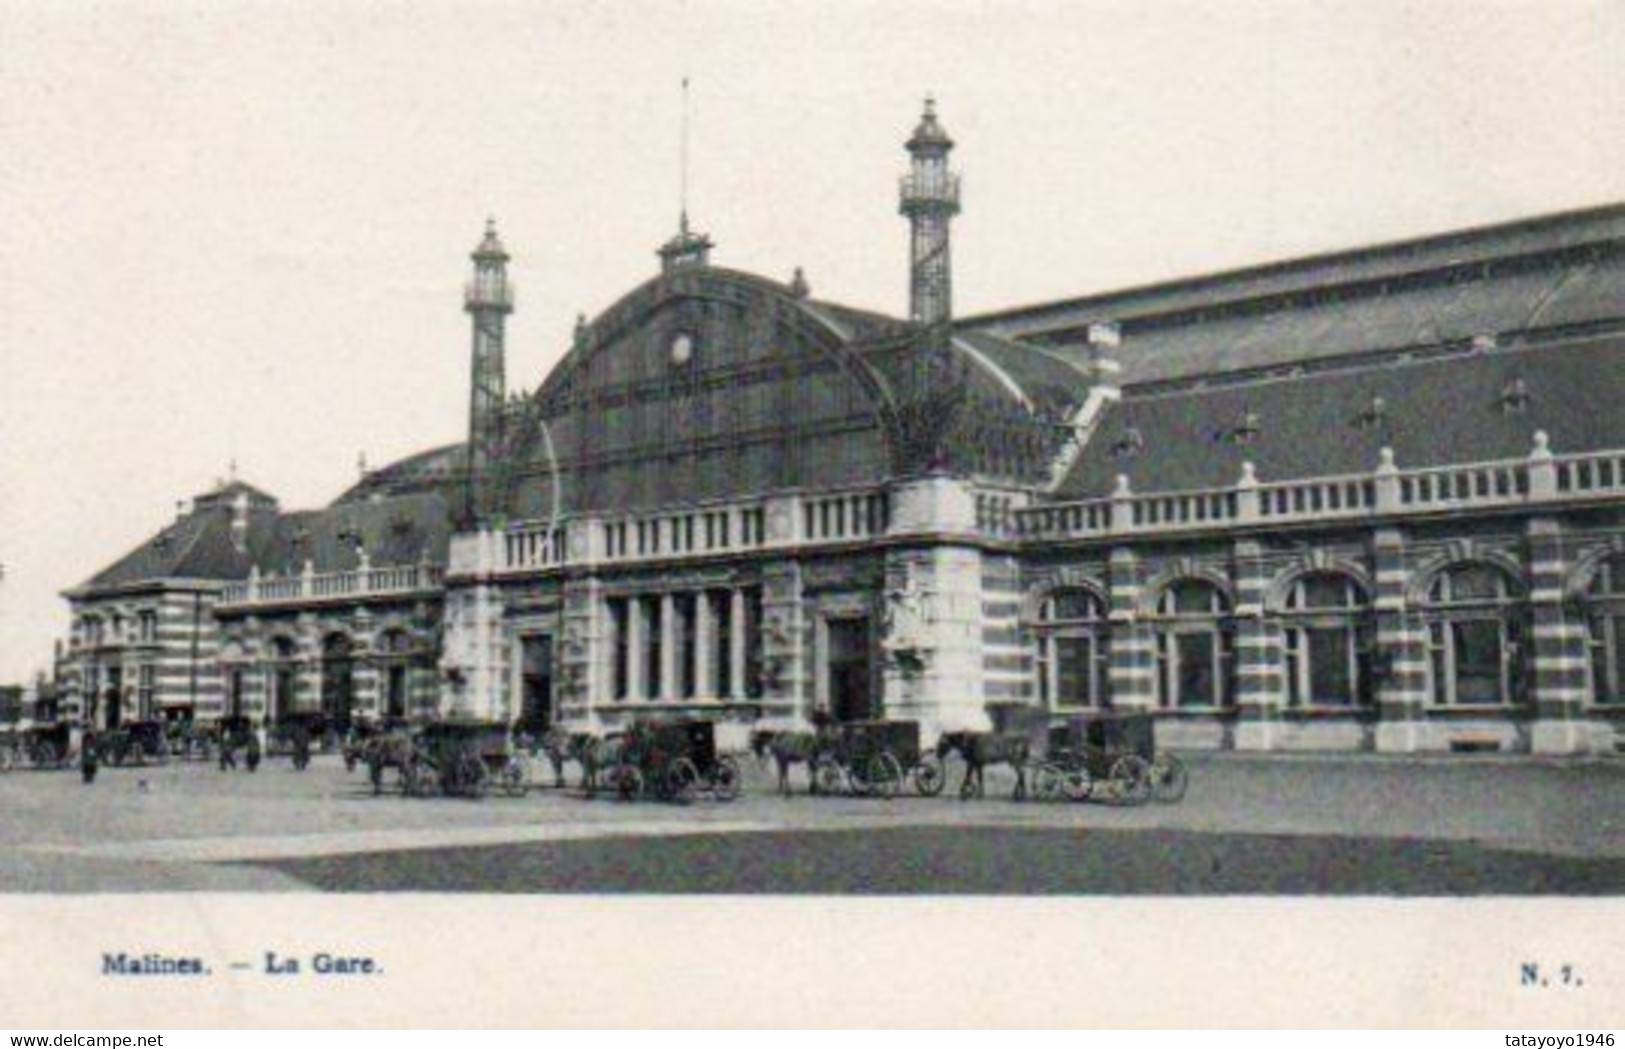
point(246, 741)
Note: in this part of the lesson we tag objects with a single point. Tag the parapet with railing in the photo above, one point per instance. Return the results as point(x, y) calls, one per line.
point(311, 587)
point(1388, 491)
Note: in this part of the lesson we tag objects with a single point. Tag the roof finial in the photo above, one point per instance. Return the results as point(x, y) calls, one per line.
point(682, 188)
point(231, 470)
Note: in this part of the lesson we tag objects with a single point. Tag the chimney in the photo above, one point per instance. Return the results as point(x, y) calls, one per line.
point(1103, 338)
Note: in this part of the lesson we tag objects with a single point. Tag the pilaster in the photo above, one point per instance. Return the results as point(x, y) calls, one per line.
point(1557, 646)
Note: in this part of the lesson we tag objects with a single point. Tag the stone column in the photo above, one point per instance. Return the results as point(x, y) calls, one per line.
point(1401, 648)
point(934, 672)
point(1133, 666)
point(635, 626)
point(736, 644)
point(585, 652)
point(1555, 649)
point(670, 656)
point(704, 640)
point(1260, 684)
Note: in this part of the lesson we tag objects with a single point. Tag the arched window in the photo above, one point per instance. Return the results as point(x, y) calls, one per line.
point(395, 652)
point(1328, 642)
point(283, 653)
point(338, 681)
point(1073, 651)
point(1475, 637)
point(1195, 647)
point(1605, 614)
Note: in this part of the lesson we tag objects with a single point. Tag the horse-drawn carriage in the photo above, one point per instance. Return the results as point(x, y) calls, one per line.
point(456, 758)
point(46, 745)
point(672, 761)
point(1114, 755)
point(135, 743)
point(875, 759)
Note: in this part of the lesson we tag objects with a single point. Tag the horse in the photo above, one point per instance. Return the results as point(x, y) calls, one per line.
point(790, 747)
point(981, 749)
point(393, 749)
point(597, 754)
point(560, 747)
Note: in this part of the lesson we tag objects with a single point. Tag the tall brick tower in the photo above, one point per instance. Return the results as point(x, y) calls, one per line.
point(929, 199)
point(488, 299)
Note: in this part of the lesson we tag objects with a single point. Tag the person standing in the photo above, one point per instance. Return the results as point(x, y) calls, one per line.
point(251, 752)
point(89, 760)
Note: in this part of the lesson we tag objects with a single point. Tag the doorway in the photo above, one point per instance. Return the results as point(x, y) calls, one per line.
point(850, 669)
point(536, 683)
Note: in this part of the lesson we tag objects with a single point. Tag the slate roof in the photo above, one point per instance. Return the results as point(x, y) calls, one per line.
point(1551, 272)
point(434, 470)
point(395, 530)
point(1437, 411)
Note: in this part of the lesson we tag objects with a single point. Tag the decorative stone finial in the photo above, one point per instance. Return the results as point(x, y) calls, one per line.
point(1543, 446)
point(1249, 475)
point(1385, 460)
point(798, 284)
point(1122, 487)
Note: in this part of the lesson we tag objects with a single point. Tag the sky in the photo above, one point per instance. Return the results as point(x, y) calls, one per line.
point(239, 232)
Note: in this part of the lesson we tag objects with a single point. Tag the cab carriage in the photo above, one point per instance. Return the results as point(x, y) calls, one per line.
point(673, 761)
point(1113, 754)
point(136, 743)
point(465, 759)
point(875, 758)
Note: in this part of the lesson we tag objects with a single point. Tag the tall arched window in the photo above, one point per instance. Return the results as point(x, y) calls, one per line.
point(338, 681)
point(283, 654)
point(1328, 642)
point(1195, 647)
point(1605, 613)
point(1073, 651)
point(395, 662)
point(1475, 637)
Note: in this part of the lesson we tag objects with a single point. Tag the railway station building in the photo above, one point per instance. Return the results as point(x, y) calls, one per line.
point(1370, 500)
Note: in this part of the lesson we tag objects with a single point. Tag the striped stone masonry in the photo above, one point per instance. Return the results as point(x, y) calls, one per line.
point(1557, 645)
point(1133, 664)
point(1260, 682)
point(1402, 673)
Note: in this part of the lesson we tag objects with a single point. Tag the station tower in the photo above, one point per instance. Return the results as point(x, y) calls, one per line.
point(929, 199)
point(488, 298)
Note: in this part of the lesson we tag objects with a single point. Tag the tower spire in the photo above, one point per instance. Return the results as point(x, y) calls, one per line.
point(929, 199)
point(687, 248)
point(488, 298)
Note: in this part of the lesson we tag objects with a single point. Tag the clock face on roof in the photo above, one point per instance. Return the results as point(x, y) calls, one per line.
point(682, 348)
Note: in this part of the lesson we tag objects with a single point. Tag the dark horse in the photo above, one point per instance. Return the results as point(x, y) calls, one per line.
point(981, 749)
point(790, 747)
point(560, 747)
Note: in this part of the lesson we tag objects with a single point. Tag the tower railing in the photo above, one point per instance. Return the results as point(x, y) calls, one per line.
point(928, 187)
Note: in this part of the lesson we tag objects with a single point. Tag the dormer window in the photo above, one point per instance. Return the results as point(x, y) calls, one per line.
point(1130, 442)
point(1374, 414)
point(1515, 396)
point(1246, 431)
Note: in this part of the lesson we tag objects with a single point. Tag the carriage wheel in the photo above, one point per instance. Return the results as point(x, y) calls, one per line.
point(1131, 779)
point(476, 778)
point(831, 778)
point(929, 777)
point(628, 783)
point(1076, 783)
point(682, 778)
point(885, 775)
point(1047, 782)
point(513, 779)
point(726, 779)
point(1168, 779)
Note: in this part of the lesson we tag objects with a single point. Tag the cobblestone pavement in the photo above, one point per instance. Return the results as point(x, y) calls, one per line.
point(186, 827)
